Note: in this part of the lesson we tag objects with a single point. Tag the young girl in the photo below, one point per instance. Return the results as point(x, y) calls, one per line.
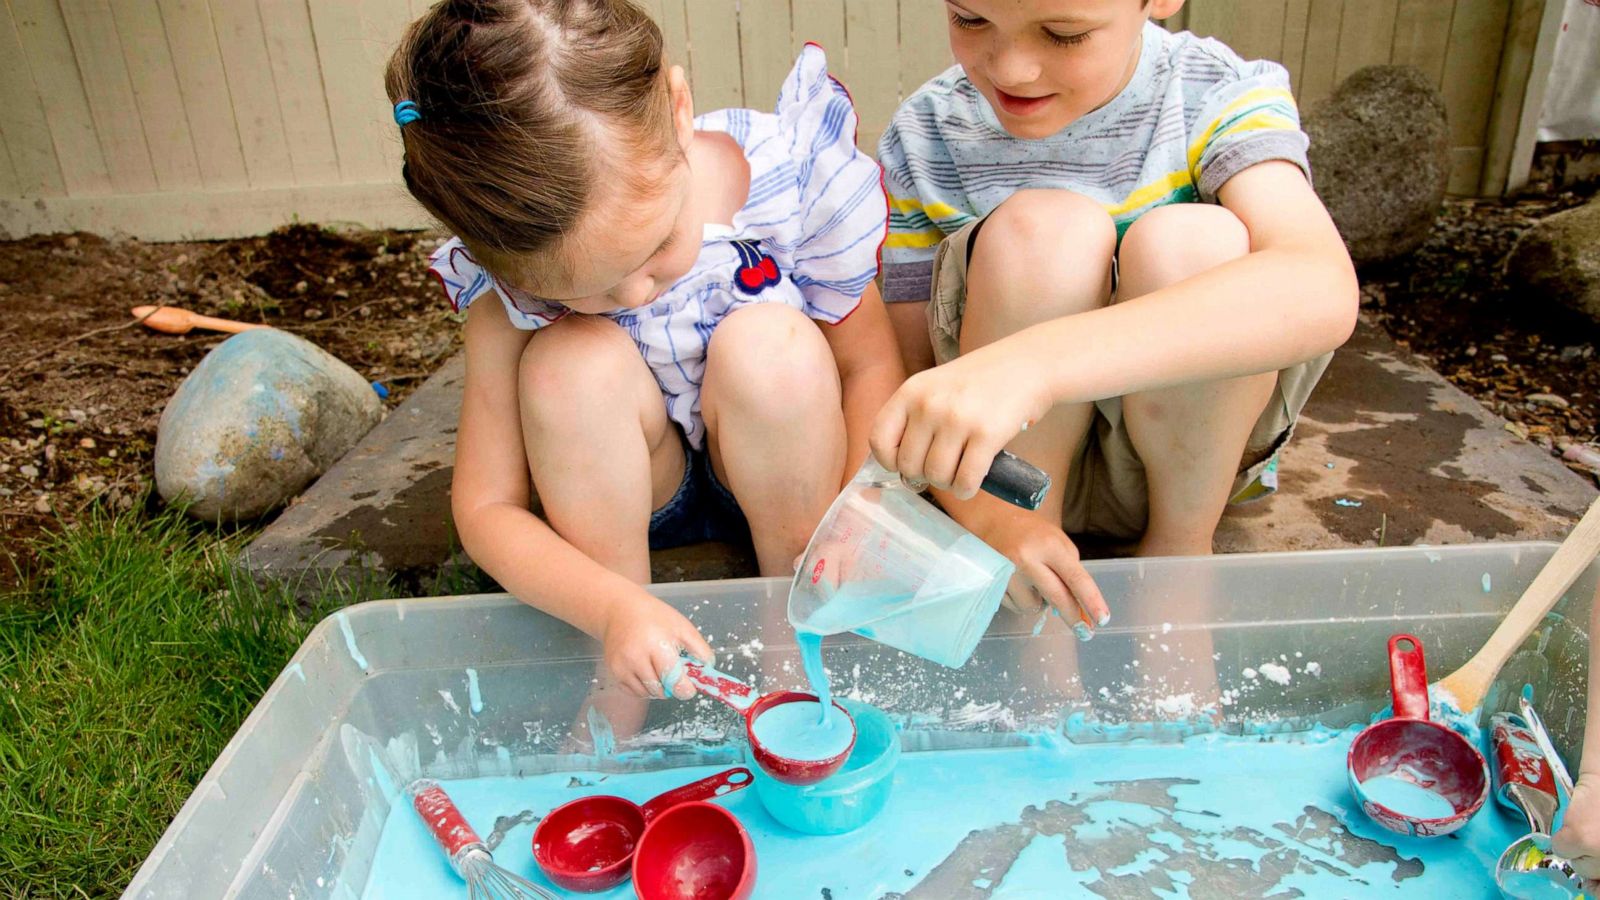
point(680, 332)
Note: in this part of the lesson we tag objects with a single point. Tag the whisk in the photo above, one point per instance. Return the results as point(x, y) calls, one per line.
point(469, 855)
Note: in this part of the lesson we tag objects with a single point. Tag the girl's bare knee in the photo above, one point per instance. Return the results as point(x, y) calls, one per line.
point(577, 358)
point(1171, 243)
point(768, 359)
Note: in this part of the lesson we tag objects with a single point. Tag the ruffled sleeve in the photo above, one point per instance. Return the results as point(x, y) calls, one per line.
point(843, 210)
point(464, 281)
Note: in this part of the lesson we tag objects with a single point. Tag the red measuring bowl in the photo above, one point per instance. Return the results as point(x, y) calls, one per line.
point(742, 699)
point(586, 844)
point(696, 851)
point(1409, 748)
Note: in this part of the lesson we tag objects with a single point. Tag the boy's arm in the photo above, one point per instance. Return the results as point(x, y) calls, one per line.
point(1294, 296)
point(490, 495)
point(869, 371)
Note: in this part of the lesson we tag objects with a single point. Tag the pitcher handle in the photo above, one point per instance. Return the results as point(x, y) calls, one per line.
point(1408, 677)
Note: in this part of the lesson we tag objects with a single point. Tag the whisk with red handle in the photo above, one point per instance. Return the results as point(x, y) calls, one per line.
point(469, 855)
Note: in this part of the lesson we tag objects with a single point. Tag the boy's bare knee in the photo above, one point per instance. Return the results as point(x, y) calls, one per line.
point(1171, 243)
point(1044, 221)
point(768, 358)
point(1041, 254)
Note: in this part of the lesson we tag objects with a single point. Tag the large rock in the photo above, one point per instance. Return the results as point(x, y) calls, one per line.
point(1380, 157)
point(1559, 257)
point(260, 418)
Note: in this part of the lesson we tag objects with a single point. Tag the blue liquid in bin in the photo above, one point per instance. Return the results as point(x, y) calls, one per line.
point(941, 621)
point(850, 797)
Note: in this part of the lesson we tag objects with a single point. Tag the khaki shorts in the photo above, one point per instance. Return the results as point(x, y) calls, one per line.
point(1106, 492)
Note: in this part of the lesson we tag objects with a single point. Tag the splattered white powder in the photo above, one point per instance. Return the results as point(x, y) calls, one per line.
point(1177, 705)
point(450, 702)
point(1314, 668)
point(1275, 672)
point(1249, 673)
point(1166, 627)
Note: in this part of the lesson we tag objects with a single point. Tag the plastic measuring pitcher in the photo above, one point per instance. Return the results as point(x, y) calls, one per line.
point(888, 565)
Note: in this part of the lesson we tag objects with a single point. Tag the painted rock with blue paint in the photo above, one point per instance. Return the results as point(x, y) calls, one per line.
point(257, 420)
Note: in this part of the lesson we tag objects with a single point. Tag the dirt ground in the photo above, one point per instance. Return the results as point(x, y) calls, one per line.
point(82, 387)
point(1524, 357)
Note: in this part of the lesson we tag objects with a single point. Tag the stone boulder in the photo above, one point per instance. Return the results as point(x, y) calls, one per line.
point(257, 420)
point(1380, 157)
point(1559, 258)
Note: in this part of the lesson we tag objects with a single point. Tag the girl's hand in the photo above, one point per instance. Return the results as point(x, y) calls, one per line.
point(642, 642)
point(1048, 571)
point(1579, 837)
point(945, 425)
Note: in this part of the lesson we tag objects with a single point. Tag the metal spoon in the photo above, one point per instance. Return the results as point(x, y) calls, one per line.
point(1528, 868)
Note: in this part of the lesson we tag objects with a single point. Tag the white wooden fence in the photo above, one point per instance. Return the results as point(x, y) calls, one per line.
point(166, 119)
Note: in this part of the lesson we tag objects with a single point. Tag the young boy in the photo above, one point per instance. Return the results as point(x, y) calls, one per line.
point(1132, 283)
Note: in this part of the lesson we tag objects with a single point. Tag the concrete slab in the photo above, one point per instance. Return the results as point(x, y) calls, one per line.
point(1424, 461)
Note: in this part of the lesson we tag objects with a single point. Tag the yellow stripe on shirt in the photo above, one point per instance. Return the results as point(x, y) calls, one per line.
point(934, 211)
point(1259, 96)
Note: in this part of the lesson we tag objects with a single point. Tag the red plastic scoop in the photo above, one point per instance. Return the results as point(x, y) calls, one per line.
point(1411, 775)
point(742, 699)
point(696, 851)
point(586, 844)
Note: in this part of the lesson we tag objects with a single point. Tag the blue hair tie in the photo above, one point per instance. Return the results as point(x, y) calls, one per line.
point(406, 112)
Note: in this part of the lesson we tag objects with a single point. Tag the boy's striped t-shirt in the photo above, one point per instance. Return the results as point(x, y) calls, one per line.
point(1192, 116)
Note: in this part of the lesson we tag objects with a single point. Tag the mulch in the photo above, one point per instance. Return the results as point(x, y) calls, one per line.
point(82, 386)
point(1525, 357)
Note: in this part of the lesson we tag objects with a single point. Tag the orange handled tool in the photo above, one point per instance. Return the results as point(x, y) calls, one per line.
point(175, 320)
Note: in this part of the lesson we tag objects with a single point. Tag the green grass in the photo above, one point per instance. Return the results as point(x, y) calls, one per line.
point(124, 668)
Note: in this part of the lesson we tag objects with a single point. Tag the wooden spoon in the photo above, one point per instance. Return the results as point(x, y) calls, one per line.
point(1465, 688)
point(175, 320)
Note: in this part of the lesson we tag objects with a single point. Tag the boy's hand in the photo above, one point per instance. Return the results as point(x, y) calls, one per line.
point(642, 642)
point(1048, 571)
point(945, 425)
point(1579, 837)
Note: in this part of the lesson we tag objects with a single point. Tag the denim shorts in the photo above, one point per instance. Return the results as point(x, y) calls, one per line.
point(701, 510)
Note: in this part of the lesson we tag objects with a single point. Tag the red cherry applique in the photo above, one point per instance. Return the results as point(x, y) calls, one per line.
point(752, 278)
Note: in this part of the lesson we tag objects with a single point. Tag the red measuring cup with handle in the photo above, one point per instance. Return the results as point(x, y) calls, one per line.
point(1411, 775)
point(742, 699)
point(587, 844)
point(696, 851)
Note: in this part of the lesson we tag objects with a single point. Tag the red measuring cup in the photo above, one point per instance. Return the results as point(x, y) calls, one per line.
point(742, 699)
point(696, 851)
point(1417, 756)
point(586, 844)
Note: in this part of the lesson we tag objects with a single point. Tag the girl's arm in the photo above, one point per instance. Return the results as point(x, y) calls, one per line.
point(1579, 837)
point(1293, 297)
point(870, 370)
point(490, 497)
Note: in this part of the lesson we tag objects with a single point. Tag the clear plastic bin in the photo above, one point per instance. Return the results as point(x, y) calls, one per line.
point(482, 685)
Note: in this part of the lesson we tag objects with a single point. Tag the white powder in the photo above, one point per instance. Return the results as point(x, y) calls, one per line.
point(1314, 668)
point(1275, 672)
point(1249, 673)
